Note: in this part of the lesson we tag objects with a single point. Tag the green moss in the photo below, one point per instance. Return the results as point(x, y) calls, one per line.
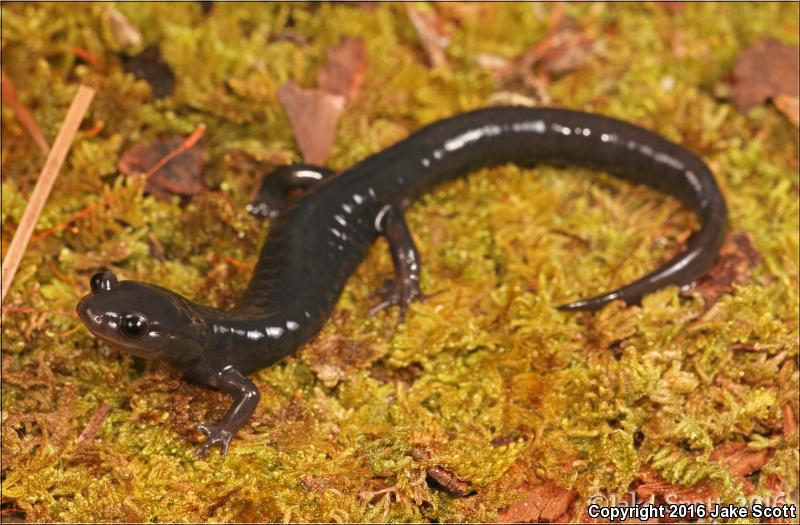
point(485, 375)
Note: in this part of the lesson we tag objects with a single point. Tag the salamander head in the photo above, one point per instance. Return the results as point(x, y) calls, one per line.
point(141, 318)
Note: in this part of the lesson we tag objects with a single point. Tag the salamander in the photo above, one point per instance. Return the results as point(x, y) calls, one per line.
point(318, 237)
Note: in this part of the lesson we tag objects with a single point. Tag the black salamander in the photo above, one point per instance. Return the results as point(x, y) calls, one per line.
point(317, 240)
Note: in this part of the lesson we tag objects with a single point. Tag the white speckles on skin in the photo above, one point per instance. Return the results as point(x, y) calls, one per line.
point(308, 174)
point(438, 154)
point(693, 180)
point(340, 220)
point(586, 132)
point(669, 160)
point(379, 217)
point(646, 150)
point(558, 128)
point(254, 335)
point(274, 332)
point(308, 315)
point(358, 199)
point(372, 193)
point(335, 232)
point(347, 208)
point(426, 162)
point(472, 135)
point(292, 326)
point(536, 126)
point(632, 144)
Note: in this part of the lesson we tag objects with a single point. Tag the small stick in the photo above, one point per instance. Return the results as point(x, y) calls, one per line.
point(93, 426)
point(238, 264)
point(47, 178)
point(23, 115)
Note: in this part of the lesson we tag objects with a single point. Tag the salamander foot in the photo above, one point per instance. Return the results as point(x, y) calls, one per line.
point(398, 292)
point(216, 436)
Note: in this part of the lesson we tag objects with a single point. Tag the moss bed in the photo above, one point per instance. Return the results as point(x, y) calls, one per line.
point(486, 383)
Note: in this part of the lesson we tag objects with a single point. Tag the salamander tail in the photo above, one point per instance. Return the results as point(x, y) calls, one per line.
point(700, 254)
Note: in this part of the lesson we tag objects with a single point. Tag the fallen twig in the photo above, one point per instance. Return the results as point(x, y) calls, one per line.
point(25, 118)
point(93, 426)
point(47, 178)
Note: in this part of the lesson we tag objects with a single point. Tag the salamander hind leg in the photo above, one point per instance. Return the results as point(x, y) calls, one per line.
point(404, 288)
point(245, 396)
point(276, 187)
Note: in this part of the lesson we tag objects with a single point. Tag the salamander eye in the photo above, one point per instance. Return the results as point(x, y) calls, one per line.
point(103, 281)
point(133, 326)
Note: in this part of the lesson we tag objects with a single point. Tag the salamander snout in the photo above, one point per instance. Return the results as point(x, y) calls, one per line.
point(138, 317)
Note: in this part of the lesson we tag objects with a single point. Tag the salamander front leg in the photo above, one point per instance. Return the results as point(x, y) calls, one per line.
point(274, 194)
point(245, 396)
point(404, 288)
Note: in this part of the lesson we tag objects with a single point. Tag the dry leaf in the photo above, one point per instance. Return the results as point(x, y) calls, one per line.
point(789, 106)
point(545, 502)
point(182, 175)
point(566, 50)
point(343, 72)
point(738, 459)
point(732, 456)
point(652, 484)
point(313, 114)
point(432, 35)
point(737, 258)
point(765, 69)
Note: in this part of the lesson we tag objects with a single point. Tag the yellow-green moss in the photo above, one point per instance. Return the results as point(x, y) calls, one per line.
point(484, 375)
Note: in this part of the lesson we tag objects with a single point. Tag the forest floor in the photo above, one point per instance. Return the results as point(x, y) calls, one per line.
point(487, 403)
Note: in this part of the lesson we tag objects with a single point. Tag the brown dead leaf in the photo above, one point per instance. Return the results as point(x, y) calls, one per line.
point(432, 34)
point(652, 484)
point(737, 258)
point(313, 114)
point(565, 50)
point(545, 502)
point(181, 175)
point(735, 457)
point(343, 72)
point(764, 70)
point(738, 459)
point(335, 357)
point(789, 106)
